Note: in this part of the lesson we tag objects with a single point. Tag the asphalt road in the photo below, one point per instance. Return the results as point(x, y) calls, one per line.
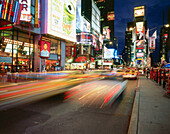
point(81, 112)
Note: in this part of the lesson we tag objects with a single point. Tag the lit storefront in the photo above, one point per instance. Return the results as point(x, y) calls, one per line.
point(16, 52)
point(17, 35)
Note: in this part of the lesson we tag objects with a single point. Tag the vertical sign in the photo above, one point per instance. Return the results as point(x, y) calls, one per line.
point(36, 14)
point(26, 10)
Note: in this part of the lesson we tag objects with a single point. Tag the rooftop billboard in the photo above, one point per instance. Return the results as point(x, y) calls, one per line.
point(139, 11)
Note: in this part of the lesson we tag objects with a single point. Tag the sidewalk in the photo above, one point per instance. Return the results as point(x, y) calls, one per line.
point(151, 109)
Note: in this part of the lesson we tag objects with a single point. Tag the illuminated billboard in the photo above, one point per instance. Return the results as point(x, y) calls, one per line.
point(140, 44)
point(110, 53)
point(78, 16)
point(106, 33)
point(61, 20)
point(139, 26)
point(140, 38)
point(26, 10)
point(84, 38)
point(139, 54)
point(110, 16)
point(95, 18)
point(86, 25)
point(139, 11)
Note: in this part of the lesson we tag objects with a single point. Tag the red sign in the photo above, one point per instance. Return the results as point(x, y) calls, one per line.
point(165, 37)
point(92, 59)
point(74, 51)
point(45, 49)
point(81, 59)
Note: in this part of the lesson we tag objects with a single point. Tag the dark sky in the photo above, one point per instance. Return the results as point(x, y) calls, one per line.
point(153, 14)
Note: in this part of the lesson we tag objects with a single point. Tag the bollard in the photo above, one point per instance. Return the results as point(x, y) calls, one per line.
point(168, 86)
point(164, 78)
point(151, 73)
point(160, 76)
point(156, 75)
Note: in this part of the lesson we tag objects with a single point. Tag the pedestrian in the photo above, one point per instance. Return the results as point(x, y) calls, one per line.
point(147, 72)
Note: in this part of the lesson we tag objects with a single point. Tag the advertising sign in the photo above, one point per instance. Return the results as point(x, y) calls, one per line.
point(95, 17)
point(26, 10)
point(101, 41)
point(45, 49)
point(139, 26)
point(62, 19)
point(139, 11)
point(140, 44)
point(110, 16)
point(152, 43)
point(78, 16)
point(86, 25)
point(36, 23)
point(10, 10)
point(106, 33)
point(84, 38)
point(139, 54)
point(110, 53)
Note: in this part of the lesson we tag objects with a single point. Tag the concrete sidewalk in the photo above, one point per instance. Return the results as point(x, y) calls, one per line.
point(151, 109)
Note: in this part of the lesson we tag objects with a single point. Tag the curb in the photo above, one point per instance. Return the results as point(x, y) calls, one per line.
point(133, 125)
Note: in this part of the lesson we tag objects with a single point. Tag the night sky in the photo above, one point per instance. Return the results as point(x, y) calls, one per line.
point(153, 14)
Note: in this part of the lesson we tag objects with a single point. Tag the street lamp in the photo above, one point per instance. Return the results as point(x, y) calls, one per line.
point(130, 29)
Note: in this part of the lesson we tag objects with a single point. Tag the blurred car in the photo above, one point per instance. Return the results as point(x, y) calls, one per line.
point(118, 72)
point(130, 74)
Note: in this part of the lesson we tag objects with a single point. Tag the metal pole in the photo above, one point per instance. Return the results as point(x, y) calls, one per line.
point(29, 47)
point(12, 50)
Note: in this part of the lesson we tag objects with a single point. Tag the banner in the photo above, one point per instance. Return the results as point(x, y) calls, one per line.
point(147, 34)
point(152, 43)
point(155, 34)
point(45, 49)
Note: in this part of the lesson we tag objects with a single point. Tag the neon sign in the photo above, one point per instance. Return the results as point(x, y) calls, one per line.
point(10, 10)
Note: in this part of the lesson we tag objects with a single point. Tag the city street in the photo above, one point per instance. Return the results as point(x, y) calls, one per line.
point(84, 67)
point(88, 108)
